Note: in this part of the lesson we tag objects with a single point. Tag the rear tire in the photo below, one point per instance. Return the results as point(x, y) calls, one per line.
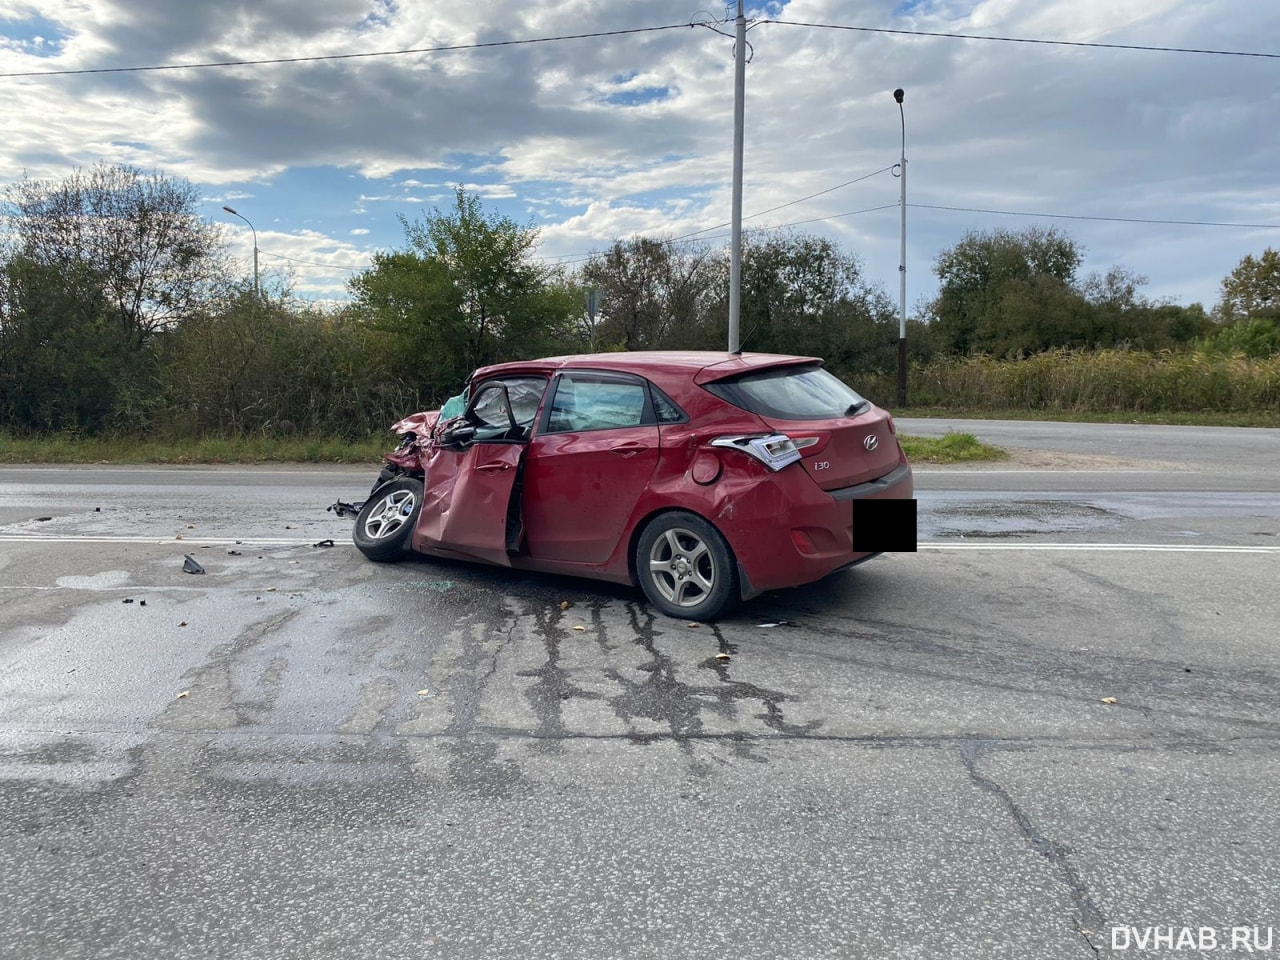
point(387, 519)
point(685, 567)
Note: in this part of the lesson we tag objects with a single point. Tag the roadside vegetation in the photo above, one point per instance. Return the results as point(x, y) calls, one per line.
point(128, 333)
point(64, 449)
point(950, 448)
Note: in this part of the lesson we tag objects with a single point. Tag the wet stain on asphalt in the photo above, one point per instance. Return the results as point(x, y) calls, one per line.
point(998, 518)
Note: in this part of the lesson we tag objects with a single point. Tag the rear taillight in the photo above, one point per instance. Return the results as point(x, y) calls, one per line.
point(775, 451)
point(810, 444)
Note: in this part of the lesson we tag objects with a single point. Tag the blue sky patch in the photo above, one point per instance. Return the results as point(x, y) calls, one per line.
point(638, 97)
point(35, 36)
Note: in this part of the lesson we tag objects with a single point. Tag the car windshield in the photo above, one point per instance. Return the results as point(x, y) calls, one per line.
point(791, 393)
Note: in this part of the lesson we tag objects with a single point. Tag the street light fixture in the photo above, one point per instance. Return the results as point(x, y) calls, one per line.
point(257, 291)
point(898, 95)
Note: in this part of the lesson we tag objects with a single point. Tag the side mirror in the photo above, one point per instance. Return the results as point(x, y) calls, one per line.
point(458, 436)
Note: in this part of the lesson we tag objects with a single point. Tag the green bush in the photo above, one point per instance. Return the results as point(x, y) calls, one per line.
point(1098, 381)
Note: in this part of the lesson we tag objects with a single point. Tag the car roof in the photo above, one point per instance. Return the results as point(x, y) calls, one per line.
point(701, 366)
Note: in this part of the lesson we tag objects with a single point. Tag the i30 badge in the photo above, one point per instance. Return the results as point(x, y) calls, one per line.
point(870, 441)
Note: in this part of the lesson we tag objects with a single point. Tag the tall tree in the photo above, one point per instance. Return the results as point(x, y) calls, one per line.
point(1252, 290)
point(138, 233)
point(652, 294)
point(466, 292)
point(1003, 291)
point(802, 293)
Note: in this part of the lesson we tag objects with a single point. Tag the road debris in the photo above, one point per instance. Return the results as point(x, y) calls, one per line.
point(565, 604)
point(184, 693)
point(579, 627)
point(323, 543)
point(1108, 699)
point(344, 509)
point(191, 565)
point(722, 656)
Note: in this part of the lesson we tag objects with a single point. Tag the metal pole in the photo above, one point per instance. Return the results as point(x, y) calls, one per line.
point(257, 290)
point(739, 112)
point(902, 256)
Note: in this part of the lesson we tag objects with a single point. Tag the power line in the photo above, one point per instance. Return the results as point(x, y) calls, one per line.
point(493, 44)
point(313, 263)
point(1056, 43)
point(1076, 216)
point(789, 203)
point(450, 48)
point(569, 259)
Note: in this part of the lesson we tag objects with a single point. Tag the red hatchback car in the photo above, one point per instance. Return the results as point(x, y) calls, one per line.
point(703, 477)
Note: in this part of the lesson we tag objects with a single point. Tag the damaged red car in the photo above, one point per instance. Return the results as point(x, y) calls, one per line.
point(703, 478)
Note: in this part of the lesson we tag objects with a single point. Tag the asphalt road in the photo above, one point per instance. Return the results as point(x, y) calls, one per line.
point(302, 754)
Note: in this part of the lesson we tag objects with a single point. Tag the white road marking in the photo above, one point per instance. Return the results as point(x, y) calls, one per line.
point(188, 541)
point(924, 545)
point(1100, 547)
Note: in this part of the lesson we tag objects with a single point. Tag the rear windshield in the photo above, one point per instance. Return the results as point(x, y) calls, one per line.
point(791, 393)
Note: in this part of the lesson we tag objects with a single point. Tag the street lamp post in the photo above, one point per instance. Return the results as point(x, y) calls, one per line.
point(898, 95)
point(257, 291)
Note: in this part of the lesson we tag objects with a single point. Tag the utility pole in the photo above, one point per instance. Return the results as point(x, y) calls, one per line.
point(898, 95)
point(739, 112)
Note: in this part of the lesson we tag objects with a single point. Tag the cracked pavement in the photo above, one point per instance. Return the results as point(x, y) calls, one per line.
point(301, 754)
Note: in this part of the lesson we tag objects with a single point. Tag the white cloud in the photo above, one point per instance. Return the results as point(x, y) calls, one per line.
point(540, 127)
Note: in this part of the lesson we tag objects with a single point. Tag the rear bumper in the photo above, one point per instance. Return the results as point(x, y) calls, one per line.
point(787, 531)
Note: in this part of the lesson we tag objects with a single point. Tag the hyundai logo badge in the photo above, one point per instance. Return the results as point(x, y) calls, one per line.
point(870, 441)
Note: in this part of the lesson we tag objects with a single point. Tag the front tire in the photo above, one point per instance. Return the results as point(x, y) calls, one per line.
point(387, 519)
point(685, 567)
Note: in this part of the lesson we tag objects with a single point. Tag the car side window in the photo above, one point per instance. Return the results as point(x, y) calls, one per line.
point(504, 409)
point(665, 408)
point(596, 403)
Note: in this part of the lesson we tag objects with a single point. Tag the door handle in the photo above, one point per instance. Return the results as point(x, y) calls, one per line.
point(629, 449)
point(495, 467)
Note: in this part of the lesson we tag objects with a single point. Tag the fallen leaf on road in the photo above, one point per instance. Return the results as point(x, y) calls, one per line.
point(424, 693)
point(1108, 699)
point(184, 693)
point(579, 627)
point(565, 604)
point(722, 656)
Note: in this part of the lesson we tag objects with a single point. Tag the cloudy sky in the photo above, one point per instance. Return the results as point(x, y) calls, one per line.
point(608, 137)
